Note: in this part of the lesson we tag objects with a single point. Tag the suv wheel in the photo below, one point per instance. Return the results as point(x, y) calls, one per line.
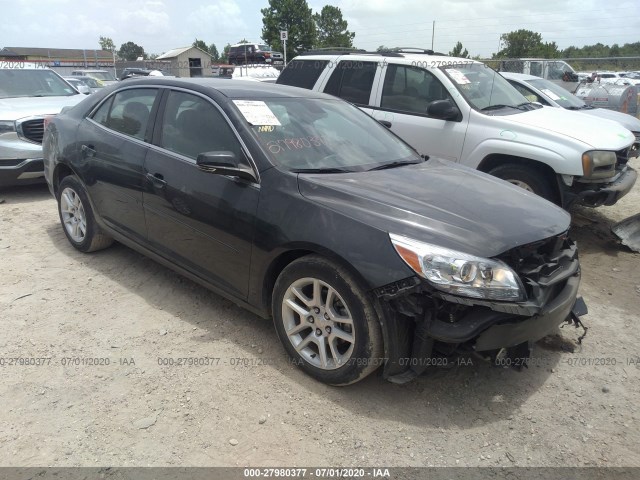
point(77, 218)
point(326, 322)
point(525, 177)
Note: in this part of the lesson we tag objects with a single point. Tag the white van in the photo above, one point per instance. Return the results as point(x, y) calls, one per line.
point(461, 110)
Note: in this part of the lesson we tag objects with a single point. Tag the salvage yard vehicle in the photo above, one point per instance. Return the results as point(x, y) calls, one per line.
point(460, 110)
point(300, 207)
point(28, 92)
point(538, 89)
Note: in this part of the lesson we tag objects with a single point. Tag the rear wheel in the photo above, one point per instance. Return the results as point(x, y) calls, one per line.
point(527, 178)
point(326, 322)
point(76, 217)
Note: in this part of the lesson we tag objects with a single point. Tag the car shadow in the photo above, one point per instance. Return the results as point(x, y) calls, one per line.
point(24, 194)
point(465, 396)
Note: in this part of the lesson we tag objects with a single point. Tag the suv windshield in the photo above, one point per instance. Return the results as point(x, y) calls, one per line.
point(556, 93)
point(264, 48)
point(33, 83)
point(484, 88)
point(304, 134)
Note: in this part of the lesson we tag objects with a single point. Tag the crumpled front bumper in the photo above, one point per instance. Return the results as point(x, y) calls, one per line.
point(606, 195)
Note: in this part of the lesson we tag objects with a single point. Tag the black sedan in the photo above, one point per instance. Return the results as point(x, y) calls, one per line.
point(300, 207)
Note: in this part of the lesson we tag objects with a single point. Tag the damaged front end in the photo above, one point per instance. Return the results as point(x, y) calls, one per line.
point(423, 322)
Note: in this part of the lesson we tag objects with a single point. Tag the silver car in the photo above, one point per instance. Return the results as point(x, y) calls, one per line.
point(28, 94)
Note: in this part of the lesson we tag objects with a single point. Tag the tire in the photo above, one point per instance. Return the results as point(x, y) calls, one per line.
point(77, 219)
point(348, 330)
point(527, 178)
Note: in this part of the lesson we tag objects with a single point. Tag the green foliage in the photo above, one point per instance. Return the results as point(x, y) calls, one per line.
point(213, 50)
point(224, 58)
point(458, 51)
point(200, 44)
point(525, 43)
point(382, 48)
point(331, 29)
point(294, 16)
point(107, 44)
point(130, 51)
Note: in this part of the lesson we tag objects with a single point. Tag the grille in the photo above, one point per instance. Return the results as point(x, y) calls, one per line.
point(622, 157)
point(33, 130)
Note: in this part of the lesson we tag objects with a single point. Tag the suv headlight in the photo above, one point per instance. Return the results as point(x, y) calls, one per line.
point(7, 126)
point(598, 163)
point(459, 273)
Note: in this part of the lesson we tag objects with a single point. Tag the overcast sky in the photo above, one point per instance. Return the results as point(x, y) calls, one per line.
point(160, 25)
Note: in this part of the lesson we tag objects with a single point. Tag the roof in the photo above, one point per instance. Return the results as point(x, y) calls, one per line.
point(56, 53)
point(415, 59)
point(173, 53)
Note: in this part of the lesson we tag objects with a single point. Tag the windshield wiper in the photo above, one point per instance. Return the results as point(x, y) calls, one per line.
point(394, 164)
point(499, 106)
point(321, 170)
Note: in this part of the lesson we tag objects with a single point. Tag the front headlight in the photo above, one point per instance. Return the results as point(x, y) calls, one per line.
point(459, 273)
point(7, 126)
point(598, 161)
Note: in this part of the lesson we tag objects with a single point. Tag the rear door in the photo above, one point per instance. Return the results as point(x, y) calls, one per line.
point(353, 81)
point(202, 221)
point(113, 143)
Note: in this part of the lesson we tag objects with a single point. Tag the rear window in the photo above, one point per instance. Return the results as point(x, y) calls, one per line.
point(302, 73)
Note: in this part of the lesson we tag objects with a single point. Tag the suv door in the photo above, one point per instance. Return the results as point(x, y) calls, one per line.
point(200, 220)
point(402, 103)
point(113, 142)
point(353, 81)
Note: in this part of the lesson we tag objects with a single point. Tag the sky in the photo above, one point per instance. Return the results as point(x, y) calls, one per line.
point(160, 25)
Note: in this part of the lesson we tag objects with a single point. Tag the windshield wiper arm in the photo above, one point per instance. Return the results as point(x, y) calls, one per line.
point(321, 170)
point(496, 107)
point(394, 164)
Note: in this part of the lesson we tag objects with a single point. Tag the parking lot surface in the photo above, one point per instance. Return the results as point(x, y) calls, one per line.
point(111, 359)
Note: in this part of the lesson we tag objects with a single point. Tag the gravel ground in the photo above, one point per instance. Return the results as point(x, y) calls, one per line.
point(125, 315)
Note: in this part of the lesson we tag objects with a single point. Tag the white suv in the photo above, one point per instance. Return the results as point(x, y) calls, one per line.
point(461, 110)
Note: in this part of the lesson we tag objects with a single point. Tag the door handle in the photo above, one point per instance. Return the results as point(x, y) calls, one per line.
point(156, 179)
point(385, 123)
point(88, 151)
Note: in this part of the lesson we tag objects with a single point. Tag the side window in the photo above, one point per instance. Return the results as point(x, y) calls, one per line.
point(352, 81)
point(128, 112)
point(191, 125)
point(528, 94)
point(302, 73)
point(411, 89)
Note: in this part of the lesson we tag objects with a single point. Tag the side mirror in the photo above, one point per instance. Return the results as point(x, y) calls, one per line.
point(442, 109)
point(224, 163)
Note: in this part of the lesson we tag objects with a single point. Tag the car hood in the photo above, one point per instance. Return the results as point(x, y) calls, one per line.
point(21, 107)
point(627, 121)
point(601, 135)
point(441, 203)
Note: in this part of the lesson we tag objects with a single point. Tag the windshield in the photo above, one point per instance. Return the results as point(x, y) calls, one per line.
point(556, 93)
point(483, 87)
point(101, 76)
point(264, 48)
point(305, 134)
point(33, 83)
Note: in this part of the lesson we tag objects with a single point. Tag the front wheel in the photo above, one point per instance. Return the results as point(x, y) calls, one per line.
point(527, 178)
point(76, 217)
point(326, 322)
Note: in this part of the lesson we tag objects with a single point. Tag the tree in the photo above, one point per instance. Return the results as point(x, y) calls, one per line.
point(200, 44)
point(107, 44)
point(224, 58)
point(525, 43)
point(331, 28)
point(130, 51)
point(458, 52)
point(382, 48)
point(294, 16)
point(213, 51)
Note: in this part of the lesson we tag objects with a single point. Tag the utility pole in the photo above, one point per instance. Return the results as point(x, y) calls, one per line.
point(433, 33)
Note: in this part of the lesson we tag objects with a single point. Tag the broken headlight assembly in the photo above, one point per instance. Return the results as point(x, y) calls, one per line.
point(459, 273)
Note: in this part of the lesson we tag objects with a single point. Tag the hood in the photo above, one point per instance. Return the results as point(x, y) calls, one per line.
point(599, 134)
point(20, 107)
point(442, 203)
point(627, 121)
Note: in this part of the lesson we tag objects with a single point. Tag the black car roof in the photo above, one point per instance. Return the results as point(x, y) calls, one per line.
point(231, 88)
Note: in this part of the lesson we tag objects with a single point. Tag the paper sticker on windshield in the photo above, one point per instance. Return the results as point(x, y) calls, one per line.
point(256, 112)
point(458, 76)
point(550, 94)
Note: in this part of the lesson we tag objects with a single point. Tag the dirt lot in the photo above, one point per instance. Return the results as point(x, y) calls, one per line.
point(252, 408)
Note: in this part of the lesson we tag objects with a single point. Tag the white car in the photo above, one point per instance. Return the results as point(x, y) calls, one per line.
point(538, 89)
point(256, 73)
point(28, 93)
point(460, 110)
